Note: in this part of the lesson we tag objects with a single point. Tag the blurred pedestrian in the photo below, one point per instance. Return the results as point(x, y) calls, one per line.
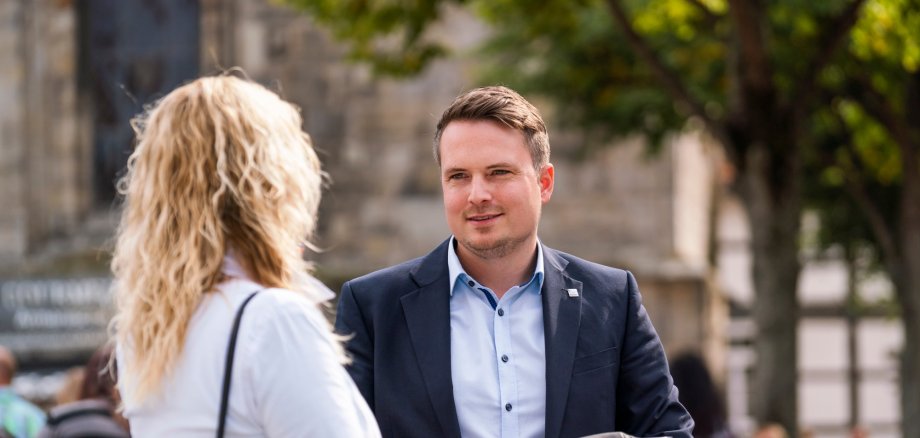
point(698, 393)
point(771, 430)
point(221, 195)
point(859, 431)
point(71, 387)
point(93, 414)
point(18, 417)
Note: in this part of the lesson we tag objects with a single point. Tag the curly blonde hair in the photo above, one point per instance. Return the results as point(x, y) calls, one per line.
point(220, 163)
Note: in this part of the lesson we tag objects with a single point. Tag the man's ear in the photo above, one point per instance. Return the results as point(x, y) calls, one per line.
point(546, 179)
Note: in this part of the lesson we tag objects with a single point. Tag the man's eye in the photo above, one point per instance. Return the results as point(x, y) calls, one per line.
point(501, 172)
point(456, 176)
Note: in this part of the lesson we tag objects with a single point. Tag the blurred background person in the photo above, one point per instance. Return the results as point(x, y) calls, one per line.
point(71, 387)
point(698, 393)
point(221, 196)
point(18, 417)
point(771, 430)
point(859, 432)
point(93, 413)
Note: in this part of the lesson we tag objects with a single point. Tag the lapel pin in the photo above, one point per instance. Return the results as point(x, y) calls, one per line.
point(572, 292)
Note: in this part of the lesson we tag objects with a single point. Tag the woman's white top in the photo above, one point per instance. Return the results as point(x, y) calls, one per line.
point(286, 380)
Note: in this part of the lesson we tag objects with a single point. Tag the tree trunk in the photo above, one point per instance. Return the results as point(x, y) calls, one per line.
point(910, 360)
point(773, 198)
point(906, 278)
point(907, 282)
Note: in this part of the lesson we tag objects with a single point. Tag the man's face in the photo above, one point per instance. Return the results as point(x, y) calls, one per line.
point(492, 193)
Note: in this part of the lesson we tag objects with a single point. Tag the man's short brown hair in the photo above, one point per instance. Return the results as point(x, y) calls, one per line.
point(503, 105)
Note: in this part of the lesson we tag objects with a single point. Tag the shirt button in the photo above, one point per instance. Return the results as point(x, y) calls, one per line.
point(504, 358)
point(501, 312)
point(471, 283)
point(508, 407)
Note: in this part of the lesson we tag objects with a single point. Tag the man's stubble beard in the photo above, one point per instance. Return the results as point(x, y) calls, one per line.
point(497, 249)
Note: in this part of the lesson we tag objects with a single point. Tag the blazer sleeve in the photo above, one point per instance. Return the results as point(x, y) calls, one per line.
point(350, 322)
point(646, 397)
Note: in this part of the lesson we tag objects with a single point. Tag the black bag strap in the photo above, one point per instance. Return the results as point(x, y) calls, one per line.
point(228, 366)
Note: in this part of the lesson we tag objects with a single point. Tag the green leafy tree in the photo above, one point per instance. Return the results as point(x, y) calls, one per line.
point(776, 82)
point(868, 146)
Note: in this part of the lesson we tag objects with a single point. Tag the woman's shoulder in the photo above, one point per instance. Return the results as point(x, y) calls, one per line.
point(307, 291)
point(281, 309)
point(283, 301)
point(235, 292)
point(285, 322)
point(276, 315)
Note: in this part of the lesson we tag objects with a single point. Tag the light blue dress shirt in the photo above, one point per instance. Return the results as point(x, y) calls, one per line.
point(497, 355)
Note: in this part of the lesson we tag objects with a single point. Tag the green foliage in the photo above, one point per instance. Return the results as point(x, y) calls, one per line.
point(575, 53)
point(889, 32)
point(789, 75)
point(388, 34)
point(855, 149)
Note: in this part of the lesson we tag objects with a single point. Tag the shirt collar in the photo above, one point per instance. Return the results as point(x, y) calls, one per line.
point(455, 269)
point(232, 267)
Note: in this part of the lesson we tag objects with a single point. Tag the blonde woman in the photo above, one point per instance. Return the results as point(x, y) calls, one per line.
point(221, 195)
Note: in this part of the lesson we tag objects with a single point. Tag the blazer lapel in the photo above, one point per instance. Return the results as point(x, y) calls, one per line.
point(561, 320)
point(427, 313)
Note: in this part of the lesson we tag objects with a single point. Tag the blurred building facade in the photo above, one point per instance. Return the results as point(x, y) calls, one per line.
point(74, 72)
point(849, 337)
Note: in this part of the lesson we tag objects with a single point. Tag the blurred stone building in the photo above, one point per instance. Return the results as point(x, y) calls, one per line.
point(849, 337)
point(72, 73)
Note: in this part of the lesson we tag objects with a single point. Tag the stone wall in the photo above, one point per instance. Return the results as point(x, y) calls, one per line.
point(43, 157)
point(620, 206)
point(374, 135)
point(13, 215)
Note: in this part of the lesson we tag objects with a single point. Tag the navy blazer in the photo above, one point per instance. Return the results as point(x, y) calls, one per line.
point(605, 367)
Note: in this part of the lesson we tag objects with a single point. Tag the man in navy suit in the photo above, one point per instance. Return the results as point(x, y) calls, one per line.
point(494, 334)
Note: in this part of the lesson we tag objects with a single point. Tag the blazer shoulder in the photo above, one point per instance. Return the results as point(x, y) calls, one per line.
point(413, 273)
point(591, 273)
point(390, 273)
point(604, 282)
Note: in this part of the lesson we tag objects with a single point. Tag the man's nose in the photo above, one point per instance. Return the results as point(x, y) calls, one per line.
point(480, 190)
